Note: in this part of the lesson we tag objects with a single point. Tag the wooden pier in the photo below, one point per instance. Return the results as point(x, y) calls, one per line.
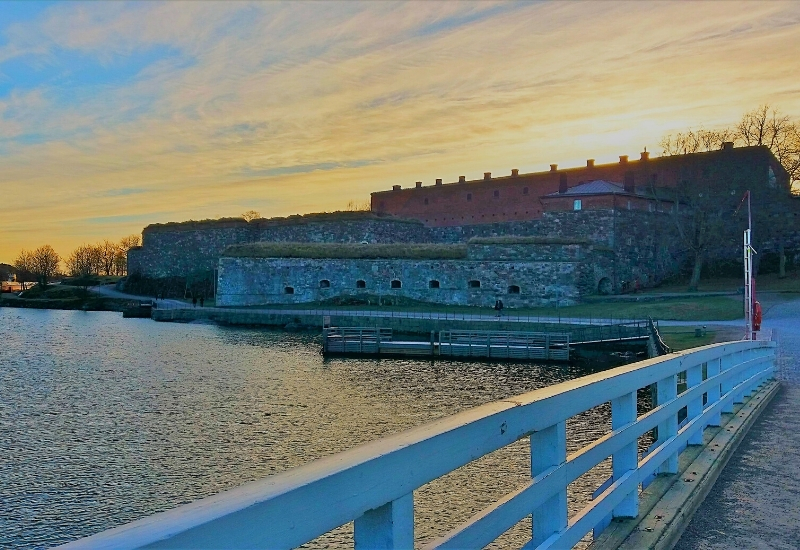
point(518, 346)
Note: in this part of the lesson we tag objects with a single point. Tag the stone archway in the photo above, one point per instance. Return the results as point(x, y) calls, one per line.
point(604, 286)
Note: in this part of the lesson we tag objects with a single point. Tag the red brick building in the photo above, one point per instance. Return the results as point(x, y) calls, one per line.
point(521, 197)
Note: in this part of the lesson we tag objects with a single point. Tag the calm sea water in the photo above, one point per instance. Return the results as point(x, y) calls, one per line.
point(104, 420)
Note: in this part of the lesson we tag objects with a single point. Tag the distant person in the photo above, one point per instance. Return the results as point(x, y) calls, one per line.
point(202, 301)
point(194, 301)
point(499, 308)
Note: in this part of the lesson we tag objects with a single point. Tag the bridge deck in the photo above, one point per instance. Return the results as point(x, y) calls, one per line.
point(754, 503)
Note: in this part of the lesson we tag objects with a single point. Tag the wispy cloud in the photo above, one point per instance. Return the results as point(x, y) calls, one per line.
point(130, 113)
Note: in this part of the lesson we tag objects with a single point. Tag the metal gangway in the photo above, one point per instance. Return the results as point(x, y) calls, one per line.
point(355, 340)
point(504, 345)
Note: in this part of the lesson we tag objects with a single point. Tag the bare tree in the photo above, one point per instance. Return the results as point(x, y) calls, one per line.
point(121, 259)
point(701, 213)
point(251, 215)
point(107, 252)
point(45, 263)
point(131, 241)
point(768, 126)
point(24, 266)
point(86, 260)
point(691, 141)
point(765, 126)
point(700, 207)
point(358, 206)
point(772, 206)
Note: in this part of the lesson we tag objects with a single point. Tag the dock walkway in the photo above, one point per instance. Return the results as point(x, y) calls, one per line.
point(449, 343)
point(754, 503)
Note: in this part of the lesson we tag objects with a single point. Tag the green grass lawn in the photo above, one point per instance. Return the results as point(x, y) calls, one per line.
point(680, 338)
point(765, 283)
point(698, 308)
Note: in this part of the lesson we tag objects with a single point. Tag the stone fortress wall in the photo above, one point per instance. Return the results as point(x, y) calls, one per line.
point(625, 246)
point(519, 274)
point(181, 249)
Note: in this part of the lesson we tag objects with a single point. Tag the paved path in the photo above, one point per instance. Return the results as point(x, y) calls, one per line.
point(110, 292)
point(756, 500)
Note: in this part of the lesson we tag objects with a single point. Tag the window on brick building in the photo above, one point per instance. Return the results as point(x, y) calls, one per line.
point(324, 283)
point(469, 197)
point(397, 284)
point(433, 283)
point(513, 289)
point(629, 205)
point(497, 194)
point(361, 284)
point(474, 283)
point(426, 201)
point(288, 290)
point(524, 190)
point(576, 204)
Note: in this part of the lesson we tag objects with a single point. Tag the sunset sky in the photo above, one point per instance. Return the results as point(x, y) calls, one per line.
point(117, 115)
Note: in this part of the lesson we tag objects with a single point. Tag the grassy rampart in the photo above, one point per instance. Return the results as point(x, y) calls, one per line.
point(299, 219)
point(516, 239)
point(347, 251)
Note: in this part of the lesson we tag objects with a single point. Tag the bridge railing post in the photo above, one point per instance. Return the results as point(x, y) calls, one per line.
point(549, 449)
point(667, 390)
point(388, 527)
point(750, 371)
point(726, 363)
point(694, 377)
point(741, 357)
point(623, 413)
point(713, 369)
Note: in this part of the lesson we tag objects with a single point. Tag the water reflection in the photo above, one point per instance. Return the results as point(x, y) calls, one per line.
point(105, 420)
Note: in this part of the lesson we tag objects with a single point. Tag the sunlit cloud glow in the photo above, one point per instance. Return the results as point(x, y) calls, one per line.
point(116, 115)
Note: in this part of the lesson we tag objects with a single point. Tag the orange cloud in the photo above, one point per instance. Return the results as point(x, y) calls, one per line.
point(287, 108)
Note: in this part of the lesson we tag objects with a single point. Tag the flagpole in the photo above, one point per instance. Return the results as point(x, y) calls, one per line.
point(748, 273)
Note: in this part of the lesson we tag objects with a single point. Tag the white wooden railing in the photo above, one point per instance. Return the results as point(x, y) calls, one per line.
point(373, 485)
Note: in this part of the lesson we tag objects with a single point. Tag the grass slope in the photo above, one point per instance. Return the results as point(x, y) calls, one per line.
point(347, 251)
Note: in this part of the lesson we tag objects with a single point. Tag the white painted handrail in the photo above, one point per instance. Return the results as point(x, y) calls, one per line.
point(373, 484)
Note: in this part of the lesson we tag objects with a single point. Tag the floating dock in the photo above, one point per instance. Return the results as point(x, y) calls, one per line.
point(519, 346)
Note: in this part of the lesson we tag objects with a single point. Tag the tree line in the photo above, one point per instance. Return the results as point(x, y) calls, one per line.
point(761, 126)
point(104, 258)
point(711, 202)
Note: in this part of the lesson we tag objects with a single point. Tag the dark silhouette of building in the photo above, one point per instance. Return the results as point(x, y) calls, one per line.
point(627, 184)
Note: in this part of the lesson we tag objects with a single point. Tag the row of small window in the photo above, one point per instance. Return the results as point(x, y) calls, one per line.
point(577, 204)
point(396, 283)
point(495, 194)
